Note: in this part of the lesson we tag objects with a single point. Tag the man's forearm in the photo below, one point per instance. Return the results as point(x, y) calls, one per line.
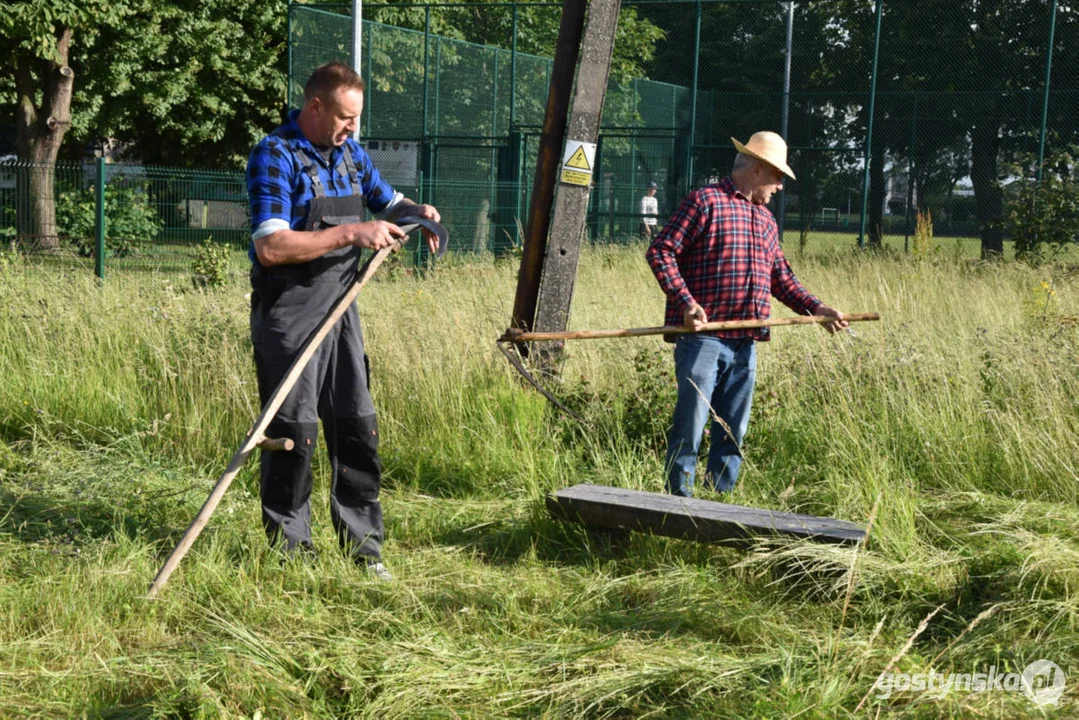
point(793, 294)
point(665, 269)
point(288, 247)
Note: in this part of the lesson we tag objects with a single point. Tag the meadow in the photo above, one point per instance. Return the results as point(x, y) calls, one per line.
point(951, 429)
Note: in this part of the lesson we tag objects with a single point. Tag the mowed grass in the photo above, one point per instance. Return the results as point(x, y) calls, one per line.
point(954, 423)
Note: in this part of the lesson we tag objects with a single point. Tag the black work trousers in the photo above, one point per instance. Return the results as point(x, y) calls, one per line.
point(287, 305)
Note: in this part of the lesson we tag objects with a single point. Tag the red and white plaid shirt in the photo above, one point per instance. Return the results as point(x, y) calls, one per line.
point(722, 252)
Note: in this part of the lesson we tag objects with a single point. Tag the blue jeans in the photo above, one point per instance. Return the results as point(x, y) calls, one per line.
point(724, 371)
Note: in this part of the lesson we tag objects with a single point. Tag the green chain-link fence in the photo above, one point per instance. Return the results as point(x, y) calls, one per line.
point(114, 215)
point(965, 97)
point(468, 115)
point(958, 97)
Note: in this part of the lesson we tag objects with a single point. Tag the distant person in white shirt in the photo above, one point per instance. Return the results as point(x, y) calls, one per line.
point(649, 211)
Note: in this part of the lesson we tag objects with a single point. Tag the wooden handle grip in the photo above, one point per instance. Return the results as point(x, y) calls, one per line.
point(276, 444)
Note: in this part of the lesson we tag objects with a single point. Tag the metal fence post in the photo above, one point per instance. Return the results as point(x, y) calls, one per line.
point(595, 221)
point(494, 133)
point(357, 47)
point(910, 173)
point(633, 146)
point(426, 61)
point(370, 78)
point(438, 85)
point(785, 114)
point(513, 70)
point(99, 227)
point(610, 211)
point(1045, 96)
point(869, 128)
point(693, 97)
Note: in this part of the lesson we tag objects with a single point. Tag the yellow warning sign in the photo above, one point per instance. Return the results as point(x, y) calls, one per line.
point(576, 177)
point(578, 160)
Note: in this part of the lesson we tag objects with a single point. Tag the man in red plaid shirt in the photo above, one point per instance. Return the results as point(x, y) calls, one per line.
point(719, 258)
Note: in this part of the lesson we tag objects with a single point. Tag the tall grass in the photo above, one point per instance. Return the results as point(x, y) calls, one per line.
point(956, 417)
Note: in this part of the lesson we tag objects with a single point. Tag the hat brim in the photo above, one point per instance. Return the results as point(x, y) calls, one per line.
point(781, 167)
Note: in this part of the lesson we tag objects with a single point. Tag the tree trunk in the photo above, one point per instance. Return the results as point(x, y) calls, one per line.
point(988, 198)
point(876, 196)
point(40, 132)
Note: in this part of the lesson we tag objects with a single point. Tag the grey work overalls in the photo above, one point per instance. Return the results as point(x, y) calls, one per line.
point(288, 302)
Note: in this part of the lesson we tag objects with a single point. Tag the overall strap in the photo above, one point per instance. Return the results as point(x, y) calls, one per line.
point(306, 164)
point(312, 172)
point(350, 170)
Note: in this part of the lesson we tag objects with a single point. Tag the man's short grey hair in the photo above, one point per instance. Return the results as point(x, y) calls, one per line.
point(744, 162)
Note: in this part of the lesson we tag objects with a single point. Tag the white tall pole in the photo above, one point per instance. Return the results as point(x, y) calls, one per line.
point(785, 114)
point(357, 48)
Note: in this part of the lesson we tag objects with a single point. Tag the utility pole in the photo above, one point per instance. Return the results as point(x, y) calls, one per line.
point(575, 176)
point(551, 139)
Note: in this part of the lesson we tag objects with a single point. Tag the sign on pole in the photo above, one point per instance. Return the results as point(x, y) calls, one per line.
point(578, 159)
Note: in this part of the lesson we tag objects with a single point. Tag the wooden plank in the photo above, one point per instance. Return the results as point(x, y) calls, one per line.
point(691, 519)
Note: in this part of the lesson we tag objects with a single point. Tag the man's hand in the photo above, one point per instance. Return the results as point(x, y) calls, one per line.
point(835, 325)
point(429, 212)
point(374, 235)
point(694, 317)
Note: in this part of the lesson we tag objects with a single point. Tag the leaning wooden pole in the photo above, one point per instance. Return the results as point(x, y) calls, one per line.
point(255, 436)
point(516, 336)
point(552, 137)
point(575, 179)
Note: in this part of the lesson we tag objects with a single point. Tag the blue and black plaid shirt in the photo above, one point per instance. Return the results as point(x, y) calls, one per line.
point(279, 189)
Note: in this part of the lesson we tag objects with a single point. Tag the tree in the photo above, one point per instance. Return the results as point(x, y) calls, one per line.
point(982, 83)
point(958, 87)
point(1001, 54)
point(473, 71)
point(909, 70)
point(186, 82)
point(38, 37)
point(537, 29)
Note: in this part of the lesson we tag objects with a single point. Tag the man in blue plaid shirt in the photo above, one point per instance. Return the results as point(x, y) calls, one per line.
point(309, 184)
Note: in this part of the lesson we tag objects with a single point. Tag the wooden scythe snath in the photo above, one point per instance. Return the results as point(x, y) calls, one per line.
point(518, 339)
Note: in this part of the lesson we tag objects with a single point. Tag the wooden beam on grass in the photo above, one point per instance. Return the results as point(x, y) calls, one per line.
point(609, 508)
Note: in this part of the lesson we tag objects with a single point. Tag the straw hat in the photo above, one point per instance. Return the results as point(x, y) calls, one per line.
point(769, 147)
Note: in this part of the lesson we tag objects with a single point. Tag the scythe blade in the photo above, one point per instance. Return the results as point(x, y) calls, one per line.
point(515, 361)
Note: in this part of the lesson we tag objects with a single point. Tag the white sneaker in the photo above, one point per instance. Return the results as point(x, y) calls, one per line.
point(379, 571)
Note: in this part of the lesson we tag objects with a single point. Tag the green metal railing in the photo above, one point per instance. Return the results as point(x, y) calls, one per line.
point(457, 123)
point(120, 216)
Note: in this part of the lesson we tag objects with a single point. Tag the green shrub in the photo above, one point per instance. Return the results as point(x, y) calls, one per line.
point(1045, 215)
point(211, 264)
point(131, 222)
